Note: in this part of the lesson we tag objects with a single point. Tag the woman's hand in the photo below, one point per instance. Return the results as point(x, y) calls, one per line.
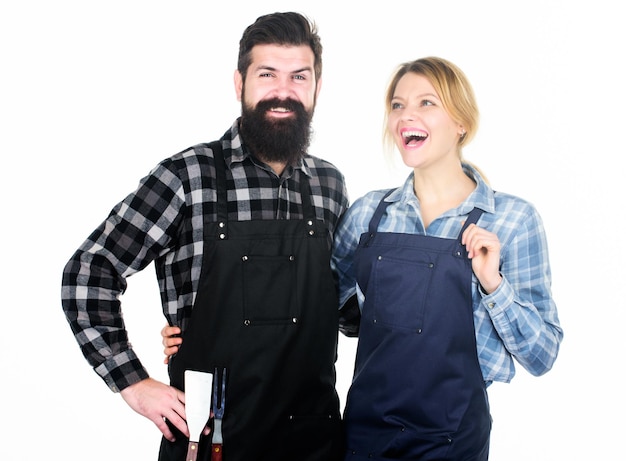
point(171, 341)
point(483, 248)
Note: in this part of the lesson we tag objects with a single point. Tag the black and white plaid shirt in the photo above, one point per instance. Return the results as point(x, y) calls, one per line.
point(162, 221)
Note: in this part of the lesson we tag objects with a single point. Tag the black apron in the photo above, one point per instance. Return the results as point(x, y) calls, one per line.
point(267, 311)
point(418, 391)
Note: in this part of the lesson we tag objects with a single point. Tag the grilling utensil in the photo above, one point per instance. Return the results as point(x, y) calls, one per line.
point(219, 400)
point(197, 407)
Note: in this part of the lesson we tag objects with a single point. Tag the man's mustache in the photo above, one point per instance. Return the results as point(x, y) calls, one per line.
point(287, 103)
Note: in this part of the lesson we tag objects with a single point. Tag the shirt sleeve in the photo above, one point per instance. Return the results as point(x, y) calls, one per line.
point(522, 309)
point(137, 230)
point(344, 246)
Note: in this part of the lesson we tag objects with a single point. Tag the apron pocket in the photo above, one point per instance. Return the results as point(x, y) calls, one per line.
point(400, 305)
point(269, 290)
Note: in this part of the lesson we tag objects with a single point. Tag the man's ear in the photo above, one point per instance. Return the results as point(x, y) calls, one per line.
point(238, 84)
point(318, 87)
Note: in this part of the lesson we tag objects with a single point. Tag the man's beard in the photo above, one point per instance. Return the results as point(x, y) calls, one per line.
point(283, 140)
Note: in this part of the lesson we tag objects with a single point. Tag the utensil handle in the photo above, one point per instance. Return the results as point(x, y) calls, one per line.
point(192, 451)
point(216, 452)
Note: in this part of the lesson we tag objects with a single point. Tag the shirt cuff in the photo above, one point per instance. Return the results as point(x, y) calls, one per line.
point(497, 301)
point(122, 370)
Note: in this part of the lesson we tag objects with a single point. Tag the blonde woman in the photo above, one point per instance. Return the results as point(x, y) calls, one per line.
point(452, 281)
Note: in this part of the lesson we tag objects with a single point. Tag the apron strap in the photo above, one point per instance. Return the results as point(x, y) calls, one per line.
point(308, 212)
point(220, 177)
point(472, 218)
point(378, 214)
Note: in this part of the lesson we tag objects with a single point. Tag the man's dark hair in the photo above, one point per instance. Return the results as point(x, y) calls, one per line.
point(287, 29)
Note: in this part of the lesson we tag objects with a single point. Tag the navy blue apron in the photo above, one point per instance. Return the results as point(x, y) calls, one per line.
point(418, 391)
point(266, 310)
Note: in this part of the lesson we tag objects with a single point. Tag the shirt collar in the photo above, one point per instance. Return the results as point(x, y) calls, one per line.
point(482, 197)
point(239, 153)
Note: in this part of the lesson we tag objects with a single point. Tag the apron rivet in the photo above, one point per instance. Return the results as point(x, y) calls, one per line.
point(294, 320)
point(246, 322)
point(291, 258)
point(380, 258)
point(244, 258)
point(310, 223)
point(311, 232)
point(222, 236)
point(221, 224)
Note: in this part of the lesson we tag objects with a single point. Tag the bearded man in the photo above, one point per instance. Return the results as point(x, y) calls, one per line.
point(239, 230)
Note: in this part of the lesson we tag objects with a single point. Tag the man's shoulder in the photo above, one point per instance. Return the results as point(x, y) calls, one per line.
point(321, 167)
point(200, 152)
point(196, 150)
point(190, 157)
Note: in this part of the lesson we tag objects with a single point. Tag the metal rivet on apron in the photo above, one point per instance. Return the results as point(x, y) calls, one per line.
point(458, 253)
point(221, 224)
point(246, 322)
point(380, 258)
point(244, 258)
point(291, 257)
point(311, 232)
point(222, 236)
point(310, 223)
point(431, 265)
point(294, 320)
point(418, 331)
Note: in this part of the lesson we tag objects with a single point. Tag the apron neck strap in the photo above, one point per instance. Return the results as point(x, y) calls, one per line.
point(308, 212)
point(472, 218)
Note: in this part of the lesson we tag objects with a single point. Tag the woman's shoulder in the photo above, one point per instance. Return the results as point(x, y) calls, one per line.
point(371, 199)
point(513, 211)
point(506, 200)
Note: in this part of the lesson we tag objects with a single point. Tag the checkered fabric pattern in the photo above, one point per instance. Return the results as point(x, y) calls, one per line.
point(162, 222)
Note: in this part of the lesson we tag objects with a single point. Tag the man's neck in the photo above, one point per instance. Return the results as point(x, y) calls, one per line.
point(277, 167)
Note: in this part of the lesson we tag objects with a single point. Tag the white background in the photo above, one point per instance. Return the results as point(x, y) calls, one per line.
point(94, 94)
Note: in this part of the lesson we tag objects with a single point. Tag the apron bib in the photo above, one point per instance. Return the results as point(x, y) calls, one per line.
point(418, 391)
point(266, 310)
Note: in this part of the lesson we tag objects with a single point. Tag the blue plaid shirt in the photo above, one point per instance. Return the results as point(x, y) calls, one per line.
point(518, 320)
point(162, 221)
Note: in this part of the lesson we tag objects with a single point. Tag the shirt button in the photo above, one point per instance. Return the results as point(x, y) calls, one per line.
point(491, 305)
